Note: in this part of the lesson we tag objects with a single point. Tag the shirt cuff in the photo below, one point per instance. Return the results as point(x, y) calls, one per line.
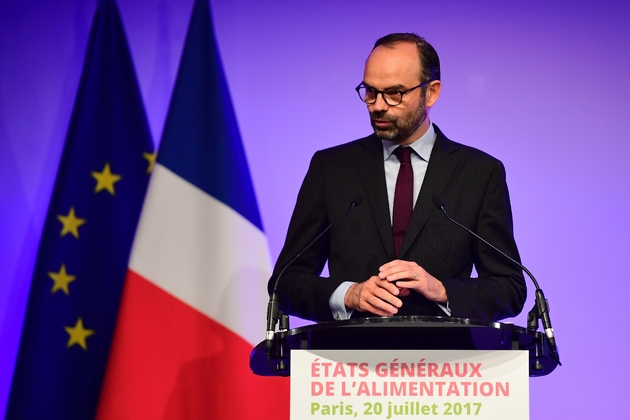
point(445, 308)
point(336, 302)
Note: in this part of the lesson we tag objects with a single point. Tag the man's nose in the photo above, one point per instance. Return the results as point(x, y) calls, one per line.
point(380, 104)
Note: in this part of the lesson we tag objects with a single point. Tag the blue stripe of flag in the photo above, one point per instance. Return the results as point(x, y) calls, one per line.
point(201, 141)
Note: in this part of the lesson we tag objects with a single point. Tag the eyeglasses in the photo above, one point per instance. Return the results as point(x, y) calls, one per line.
point(391, 97)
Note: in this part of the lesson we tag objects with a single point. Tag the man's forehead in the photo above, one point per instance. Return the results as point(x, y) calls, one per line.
point(393, 65)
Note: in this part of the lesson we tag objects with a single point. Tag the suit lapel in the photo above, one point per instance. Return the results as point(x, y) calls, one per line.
point(372, 173)
point(442, 163)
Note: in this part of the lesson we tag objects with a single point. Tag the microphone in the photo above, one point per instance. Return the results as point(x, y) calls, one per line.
point(272, 307)
point(541, 305)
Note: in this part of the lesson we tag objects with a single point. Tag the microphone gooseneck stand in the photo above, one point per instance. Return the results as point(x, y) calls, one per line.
point(540, 311)
point(273, 311)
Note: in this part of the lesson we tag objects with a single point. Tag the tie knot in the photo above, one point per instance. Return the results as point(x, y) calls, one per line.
point(403, 154)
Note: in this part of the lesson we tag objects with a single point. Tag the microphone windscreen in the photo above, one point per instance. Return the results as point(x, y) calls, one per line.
point(438, 201)
point(357, 199)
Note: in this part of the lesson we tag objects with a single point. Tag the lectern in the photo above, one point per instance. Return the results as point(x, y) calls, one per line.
point(403, 333)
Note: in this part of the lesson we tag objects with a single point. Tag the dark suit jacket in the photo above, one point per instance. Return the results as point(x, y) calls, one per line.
point(471, 182)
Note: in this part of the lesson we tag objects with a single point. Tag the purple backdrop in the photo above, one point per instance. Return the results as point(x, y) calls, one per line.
point(543, 86)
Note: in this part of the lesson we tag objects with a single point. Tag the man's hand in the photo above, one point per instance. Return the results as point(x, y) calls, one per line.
point(410, 276)
point(374, 295)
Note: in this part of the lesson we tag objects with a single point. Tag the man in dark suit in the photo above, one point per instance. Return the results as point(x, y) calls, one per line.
point(396, 254)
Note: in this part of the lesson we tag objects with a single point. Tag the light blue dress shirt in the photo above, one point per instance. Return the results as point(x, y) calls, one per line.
point(419, 161)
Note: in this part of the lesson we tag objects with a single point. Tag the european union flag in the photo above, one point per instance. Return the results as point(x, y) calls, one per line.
point(87, 237)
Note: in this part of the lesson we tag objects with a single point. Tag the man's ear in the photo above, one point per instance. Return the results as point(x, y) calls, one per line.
point(433, 92)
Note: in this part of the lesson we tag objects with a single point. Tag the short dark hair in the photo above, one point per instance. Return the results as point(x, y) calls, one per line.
point(429, 60)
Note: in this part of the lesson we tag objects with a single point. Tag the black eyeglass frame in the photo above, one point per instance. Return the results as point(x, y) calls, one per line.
point(382, 92)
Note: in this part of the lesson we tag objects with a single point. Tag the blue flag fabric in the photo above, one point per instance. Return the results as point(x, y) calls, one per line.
point(201, 141)
point(87, 237)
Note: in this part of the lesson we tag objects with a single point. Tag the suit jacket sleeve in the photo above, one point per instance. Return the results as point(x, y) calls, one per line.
point(499, 291)
point(301, 290)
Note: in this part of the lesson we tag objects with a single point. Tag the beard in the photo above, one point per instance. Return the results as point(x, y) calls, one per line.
point(403, 126)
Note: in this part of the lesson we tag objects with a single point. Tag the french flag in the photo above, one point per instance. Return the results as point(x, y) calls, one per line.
point(195, 296)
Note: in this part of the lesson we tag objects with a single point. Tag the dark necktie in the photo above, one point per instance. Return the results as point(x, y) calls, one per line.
point(403, 197)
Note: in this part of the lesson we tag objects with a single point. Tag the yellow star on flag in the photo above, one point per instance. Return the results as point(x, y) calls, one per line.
point(150, 157)
point(105, 180)
point(61, 279)
point(78, 334)
point(70, 223)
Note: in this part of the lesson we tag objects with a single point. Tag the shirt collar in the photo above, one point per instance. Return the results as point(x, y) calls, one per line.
point(422, 146)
